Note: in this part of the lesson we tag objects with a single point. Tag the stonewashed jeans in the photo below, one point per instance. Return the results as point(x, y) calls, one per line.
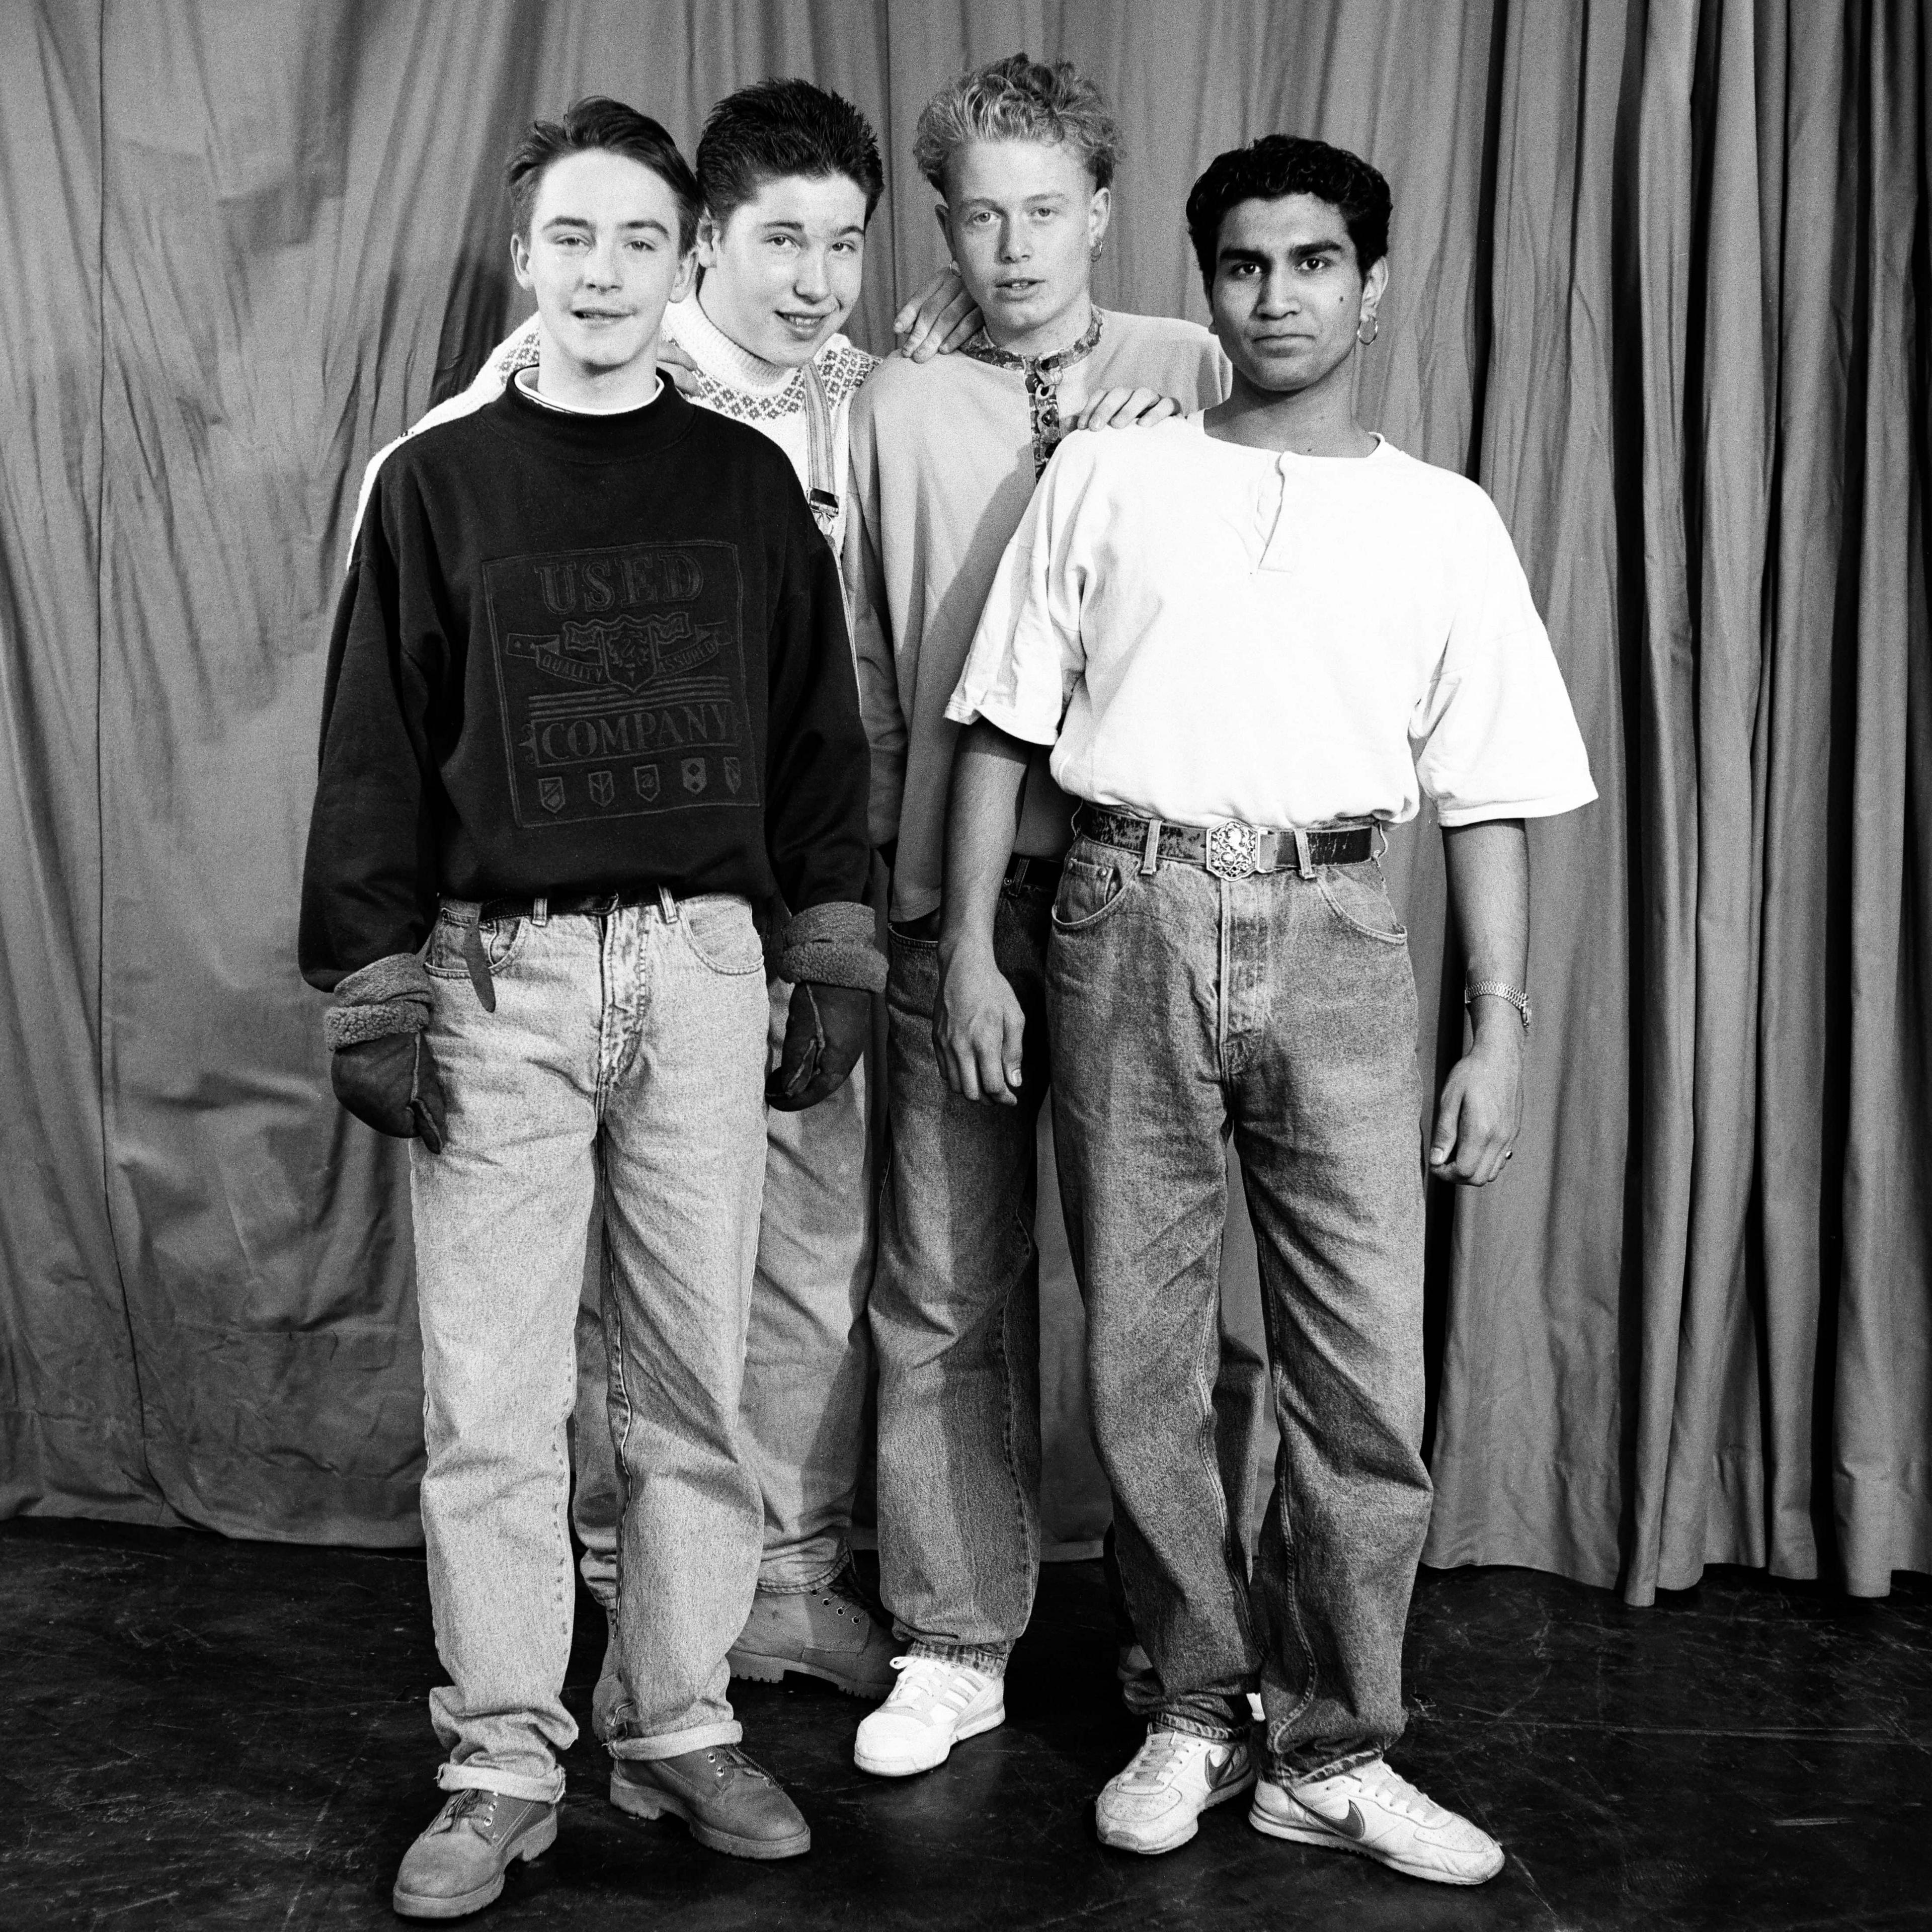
point(802, 1417)
point(955, 1322)
point(1282, 1009)
point(626, 1056)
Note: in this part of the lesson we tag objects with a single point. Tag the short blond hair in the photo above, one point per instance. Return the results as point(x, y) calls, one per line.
point(1017, 99)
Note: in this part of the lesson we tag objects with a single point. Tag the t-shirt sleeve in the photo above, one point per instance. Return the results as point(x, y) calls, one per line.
point(1495, 735)
point(1026, 655)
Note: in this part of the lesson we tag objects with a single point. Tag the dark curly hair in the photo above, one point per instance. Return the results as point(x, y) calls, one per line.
point(1284, 164)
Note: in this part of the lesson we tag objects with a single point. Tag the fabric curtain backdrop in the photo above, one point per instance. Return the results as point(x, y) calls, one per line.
point(1659, 272)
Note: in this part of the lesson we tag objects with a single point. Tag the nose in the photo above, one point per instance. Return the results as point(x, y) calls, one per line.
point(601, 269)
point(1013, 241)
point(1279, 294)
point(809, 282)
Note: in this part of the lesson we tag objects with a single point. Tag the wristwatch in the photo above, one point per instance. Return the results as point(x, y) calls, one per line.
point(1499, 989)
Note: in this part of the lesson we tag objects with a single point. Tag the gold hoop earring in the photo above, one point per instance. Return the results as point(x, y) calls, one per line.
point(1374, 322)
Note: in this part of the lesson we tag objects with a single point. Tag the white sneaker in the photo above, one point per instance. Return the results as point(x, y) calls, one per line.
point(935, 1705)
point(1156, 1804)
point(1371, 1810)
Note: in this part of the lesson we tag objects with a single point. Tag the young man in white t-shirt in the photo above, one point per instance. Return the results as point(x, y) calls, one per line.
point(1247, 635)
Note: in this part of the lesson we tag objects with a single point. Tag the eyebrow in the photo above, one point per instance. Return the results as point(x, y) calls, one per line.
point(584, 221)
point(986, 201)
point(1301, 252)
point(798, 227)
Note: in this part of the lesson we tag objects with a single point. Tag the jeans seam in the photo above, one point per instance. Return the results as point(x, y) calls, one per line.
point(1289, 1572)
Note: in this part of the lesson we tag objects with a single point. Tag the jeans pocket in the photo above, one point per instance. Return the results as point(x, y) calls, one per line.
point(1357, 897)
point(720, 931)
point(1089, 888)
point(503, 940)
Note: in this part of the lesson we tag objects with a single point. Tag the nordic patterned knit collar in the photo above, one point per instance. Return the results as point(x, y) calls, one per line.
point(983, 349)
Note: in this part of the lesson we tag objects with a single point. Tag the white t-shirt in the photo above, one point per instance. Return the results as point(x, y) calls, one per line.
point(1204, 632)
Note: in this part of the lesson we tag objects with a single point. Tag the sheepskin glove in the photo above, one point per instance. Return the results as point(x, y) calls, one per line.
point(833, 945)
point(380, 1062)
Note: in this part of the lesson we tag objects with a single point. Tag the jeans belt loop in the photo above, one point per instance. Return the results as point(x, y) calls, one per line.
point(1150, 848)
point(1301, 854)
point(540, 910)
point(667, 905)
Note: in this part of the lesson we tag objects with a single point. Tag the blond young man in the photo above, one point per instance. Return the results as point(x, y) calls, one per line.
point(944, 459)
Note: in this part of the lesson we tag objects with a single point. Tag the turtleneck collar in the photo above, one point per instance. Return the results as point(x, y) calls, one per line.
point(584, 438)
point(721, 358)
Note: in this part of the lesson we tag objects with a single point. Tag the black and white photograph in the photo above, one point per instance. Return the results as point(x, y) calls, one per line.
point(966, 963)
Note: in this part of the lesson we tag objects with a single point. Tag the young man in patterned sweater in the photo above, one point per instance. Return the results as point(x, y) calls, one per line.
point(790, 176)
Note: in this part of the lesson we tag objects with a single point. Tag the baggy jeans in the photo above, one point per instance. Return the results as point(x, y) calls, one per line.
point(956, 1320)
point(629, 1050)
point(802, 1417)
point(1282, 1009)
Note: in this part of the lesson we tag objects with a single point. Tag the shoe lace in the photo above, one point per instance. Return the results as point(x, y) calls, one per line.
point(1162, 1754)
point(927, 1681)
point(1389, 1788)
point(727, 1762)
point(469, 1803)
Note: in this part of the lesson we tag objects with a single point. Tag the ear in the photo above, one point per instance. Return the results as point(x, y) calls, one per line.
point(520, 262)
point(1374, 284)
point(1100, 212)
point(687, 275)
point(943, 215)
point(710, 239)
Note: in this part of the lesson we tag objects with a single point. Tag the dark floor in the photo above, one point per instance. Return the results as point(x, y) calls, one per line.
point(196, 1732)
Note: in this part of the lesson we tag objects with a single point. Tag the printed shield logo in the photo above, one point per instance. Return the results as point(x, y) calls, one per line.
point(733, 774)
point(694, 775)
point(549, 794)
point(603, 788)
point(645, 777)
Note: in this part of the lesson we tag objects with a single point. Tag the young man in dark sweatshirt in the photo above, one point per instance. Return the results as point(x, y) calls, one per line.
point(590, 700)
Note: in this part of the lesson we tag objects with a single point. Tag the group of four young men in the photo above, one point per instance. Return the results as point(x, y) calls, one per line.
point(588, 876)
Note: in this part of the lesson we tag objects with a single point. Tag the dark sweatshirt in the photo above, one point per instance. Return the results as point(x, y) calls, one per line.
point(581, 654)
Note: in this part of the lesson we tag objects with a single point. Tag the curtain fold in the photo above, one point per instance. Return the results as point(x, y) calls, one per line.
point(1660, 267)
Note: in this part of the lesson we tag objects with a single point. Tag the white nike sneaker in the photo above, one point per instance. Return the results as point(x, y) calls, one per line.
point(935, 1705)
point(1156, 1804)
point(1370, 1809)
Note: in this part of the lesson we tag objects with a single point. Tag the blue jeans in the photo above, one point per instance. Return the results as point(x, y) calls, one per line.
point(626, 1056)
point(956, 1322)
point(802, 1418)
point(1282, 1009)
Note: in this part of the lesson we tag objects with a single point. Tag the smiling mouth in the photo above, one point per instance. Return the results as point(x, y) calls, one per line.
point(793, 318)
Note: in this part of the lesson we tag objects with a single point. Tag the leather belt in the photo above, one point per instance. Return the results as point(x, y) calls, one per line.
point(1229, 850)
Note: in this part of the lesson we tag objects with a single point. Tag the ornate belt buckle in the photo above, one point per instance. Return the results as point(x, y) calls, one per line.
point(1233, 850)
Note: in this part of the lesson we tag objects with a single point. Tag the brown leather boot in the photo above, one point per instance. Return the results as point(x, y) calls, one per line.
point(728, 1802)
point(456, 1867)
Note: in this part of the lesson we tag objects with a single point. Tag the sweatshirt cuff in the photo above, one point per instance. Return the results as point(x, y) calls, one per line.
point(393, 995)
point(835, 944)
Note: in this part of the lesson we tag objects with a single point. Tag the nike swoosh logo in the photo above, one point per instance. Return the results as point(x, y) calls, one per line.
point(1221, 1770)
point(1354, 1826)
